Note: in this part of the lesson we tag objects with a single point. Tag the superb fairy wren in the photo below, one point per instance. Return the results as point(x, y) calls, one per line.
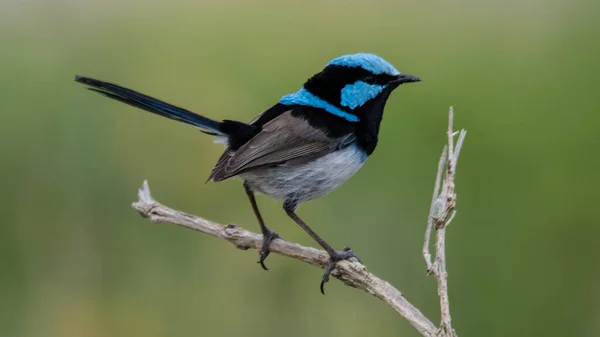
point(304, 146)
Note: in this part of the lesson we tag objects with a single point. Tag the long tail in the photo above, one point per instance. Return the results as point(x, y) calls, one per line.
point(152, 105)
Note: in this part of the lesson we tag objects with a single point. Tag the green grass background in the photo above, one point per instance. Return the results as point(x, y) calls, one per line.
point(76, 260)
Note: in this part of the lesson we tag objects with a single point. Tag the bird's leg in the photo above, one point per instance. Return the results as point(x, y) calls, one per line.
point(334, 255)
point(268, 235)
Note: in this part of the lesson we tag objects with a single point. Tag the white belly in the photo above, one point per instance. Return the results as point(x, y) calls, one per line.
point(307, 181)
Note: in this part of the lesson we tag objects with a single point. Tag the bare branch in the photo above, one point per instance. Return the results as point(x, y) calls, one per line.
point(351, 273)
point(441, 213)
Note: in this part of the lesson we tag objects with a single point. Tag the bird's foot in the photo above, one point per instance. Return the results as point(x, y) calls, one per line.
point(334, 258)
point(268, 236)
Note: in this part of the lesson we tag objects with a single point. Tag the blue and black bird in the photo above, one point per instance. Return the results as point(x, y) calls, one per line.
point(301, 148)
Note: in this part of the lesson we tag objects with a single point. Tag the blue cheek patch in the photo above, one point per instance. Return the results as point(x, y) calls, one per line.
point(357, 94)
point(303, 97)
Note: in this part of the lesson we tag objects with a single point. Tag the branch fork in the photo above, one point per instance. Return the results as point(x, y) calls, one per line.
point(351, 273)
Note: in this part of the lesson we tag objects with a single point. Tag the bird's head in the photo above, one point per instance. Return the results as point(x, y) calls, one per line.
point(351, 86)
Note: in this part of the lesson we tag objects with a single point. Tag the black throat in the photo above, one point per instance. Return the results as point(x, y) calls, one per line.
point(370, 115)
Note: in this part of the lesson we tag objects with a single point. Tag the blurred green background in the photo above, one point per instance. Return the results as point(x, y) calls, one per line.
point(76, 260)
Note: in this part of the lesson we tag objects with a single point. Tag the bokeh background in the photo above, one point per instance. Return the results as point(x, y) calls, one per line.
point(76, 260)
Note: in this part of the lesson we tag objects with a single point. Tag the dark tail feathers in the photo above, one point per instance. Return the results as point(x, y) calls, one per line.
point(152, 105)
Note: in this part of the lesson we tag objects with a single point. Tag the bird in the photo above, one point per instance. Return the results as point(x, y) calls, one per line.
point(301, 148)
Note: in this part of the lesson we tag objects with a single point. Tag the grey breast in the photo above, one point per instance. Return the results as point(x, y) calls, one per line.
point(309, 180)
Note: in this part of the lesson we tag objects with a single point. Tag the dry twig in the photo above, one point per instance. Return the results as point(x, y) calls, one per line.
point(441, 213)
point(352, 273)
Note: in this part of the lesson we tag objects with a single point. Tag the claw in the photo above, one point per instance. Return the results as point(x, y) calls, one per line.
point(261, 260)
point(338, 256)
point(268, 236)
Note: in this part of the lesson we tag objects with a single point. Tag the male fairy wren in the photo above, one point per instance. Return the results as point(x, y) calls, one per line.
point(301, 148)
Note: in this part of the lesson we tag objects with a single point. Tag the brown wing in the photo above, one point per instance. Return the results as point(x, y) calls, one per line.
point(284, 140)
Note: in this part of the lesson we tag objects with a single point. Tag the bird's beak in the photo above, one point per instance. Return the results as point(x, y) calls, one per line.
point(404, 78)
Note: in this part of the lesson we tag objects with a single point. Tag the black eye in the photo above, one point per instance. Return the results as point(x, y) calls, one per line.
point(369, 79)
